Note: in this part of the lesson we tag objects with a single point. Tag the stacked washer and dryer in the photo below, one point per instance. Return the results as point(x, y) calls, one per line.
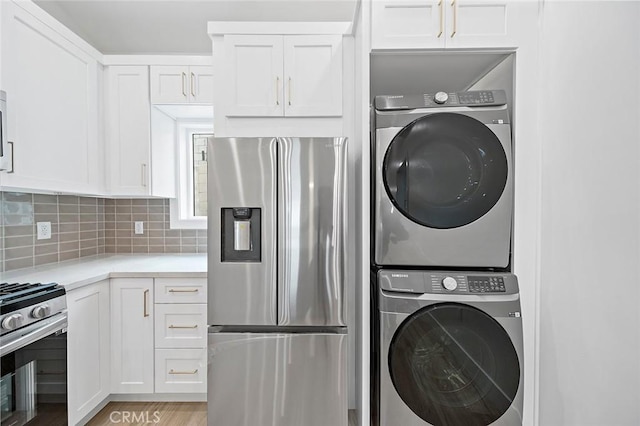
point(447, 328)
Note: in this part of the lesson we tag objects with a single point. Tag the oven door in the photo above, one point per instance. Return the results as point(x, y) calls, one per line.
point(33, 378)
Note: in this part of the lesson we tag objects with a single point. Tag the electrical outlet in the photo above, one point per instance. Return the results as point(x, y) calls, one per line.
point(44, 230)
point(139, 228)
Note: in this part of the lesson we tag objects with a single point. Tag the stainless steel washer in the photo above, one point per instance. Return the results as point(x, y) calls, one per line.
point(450, 348)
point(443, 180)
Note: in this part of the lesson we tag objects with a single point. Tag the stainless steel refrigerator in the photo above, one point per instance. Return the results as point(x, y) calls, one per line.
point(276, 299)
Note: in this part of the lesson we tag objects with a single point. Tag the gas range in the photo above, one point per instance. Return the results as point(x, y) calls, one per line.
point(22, 304)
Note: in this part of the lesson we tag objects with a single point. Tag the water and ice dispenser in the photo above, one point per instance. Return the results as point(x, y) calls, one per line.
point(241, 234)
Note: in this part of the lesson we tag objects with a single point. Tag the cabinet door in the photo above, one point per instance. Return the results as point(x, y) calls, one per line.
point(313, 75)
point(400, 24)
point(201, 85)
point(170, 84)
point(88, 349)
point(482, 23)
point(132, 335)
point(253, 71)
point(128, 129)
point(52, 99)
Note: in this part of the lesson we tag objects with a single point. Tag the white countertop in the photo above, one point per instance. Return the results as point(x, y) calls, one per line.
point(77, 273)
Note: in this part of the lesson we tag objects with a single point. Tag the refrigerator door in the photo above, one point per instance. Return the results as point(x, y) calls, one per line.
point(242, 231)
point(277, 379)
point(311, 231)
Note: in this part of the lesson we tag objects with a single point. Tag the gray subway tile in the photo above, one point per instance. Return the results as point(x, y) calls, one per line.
point(68, 199)
point(46, 249)
point(68, 246)
point(89, 251)
point(11, 264)
point(45, 258)
point(140, 249)
point(18, 252)
point(39, 208)
point(13, 231)
point(69, 255)
point(69, 236)
point(45, 199)
point(26, 240)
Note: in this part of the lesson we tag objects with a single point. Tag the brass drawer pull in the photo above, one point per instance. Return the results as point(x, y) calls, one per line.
point(172, 371)
point(195, 290)
point(183, 326)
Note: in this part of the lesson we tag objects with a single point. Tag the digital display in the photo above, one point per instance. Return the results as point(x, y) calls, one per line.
point(481, 97)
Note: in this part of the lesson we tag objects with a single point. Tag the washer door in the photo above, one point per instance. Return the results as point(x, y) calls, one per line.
point(453, 364)
point(445, 170)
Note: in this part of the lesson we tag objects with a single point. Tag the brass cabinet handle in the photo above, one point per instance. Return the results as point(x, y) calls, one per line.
point(172, 371)
point(144, 296)
point(289, 90)
point(277, 90)
point(455, 18)
point(441, 6)
point(13, 168)
point(173, 290)
point(183, 326)
point(193, 85)
point(184, 84)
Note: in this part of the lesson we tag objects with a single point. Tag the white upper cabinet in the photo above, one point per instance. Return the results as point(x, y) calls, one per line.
point(141, 157)
point(52, 104)
point(175, 84)
point(276, 76)
point(128, 130)
point(401, 24)
point(313, 75)
point(254, 75)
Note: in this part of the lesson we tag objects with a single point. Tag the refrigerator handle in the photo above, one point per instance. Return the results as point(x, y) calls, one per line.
point(283, 195)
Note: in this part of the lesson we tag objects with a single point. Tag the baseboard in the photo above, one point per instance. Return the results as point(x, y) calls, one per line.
point(159, 397)
point(95, 411)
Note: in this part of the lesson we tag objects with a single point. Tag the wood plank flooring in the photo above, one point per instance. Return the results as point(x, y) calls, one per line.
point(160, 413)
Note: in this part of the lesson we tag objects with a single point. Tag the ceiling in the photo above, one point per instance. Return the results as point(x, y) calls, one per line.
point(179, 26)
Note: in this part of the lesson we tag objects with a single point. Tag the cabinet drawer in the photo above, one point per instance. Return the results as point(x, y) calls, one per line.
point(181, 370)
point(181, 290)
point(181, 326)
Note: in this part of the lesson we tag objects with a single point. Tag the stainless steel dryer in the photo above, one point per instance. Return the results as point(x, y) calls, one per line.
point(450, 348)
point(443, 180)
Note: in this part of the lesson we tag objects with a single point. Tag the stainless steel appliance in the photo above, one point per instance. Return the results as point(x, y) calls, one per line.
point(450, 349)
point(33, 350)
point(276, 298)
point(443, 180)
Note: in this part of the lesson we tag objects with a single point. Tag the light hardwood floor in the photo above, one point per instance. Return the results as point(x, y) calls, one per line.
point(160, 413)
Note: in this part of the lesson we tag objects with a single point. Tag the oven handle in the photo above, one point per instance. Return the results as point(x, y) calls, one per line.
point(33, 333)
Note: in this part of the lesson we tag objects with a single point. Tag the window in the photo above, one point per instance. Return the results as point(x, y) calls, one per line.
point(189, 208)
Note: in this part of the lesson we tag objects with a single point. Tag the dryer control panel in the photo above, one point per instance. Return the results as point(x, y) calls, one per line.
point(476, 98)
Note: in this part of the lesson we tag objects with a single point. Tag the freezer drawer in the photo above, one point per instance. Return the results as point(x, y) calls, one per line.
point(274, 379)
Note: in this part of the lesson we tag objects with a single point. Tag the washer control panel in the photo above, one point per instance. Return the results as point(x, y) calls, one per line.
point(459, 282)
point(486, 284)
point(476, 98)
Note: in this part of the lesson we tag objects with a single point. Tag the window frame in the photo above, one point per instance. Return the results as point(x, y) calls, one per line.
point(181, 207)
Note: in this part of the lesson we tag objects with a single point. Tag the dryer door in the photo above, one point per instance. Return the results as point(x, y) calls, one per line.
point(453, 364)
point(445, 170)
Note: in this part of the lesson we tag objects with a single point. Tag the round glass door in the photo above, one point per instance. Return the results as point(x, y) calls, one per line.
point(453, 364)
point(445, 170)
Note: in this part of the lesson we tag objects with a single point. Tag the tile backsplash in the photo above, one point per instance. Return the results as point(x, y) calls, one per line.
point(86, 226)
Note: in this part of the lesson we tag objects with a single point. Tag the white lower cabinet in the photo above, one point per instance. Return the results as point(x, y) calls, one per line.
point(181, 370)
point(158, 347)
point(180, 335)
point(132, 335)
point(89, 351)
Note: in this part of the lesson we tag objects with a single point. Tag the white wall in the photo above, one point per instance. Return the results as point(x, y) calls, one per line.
point(589, 115)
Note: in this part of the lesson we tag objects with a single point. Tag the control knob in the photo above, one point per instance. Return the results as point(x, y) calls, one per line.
point(440, 97)
point(449, 283)
point(12, 322)
point(41, 311)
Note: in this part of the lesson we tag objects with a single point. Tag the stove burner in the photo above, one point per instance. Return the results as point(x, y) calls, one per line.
point(15, 296)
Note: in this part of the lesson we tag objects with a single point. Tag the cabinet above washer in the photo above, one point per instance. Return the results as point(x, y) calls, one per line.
point(424, 24)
